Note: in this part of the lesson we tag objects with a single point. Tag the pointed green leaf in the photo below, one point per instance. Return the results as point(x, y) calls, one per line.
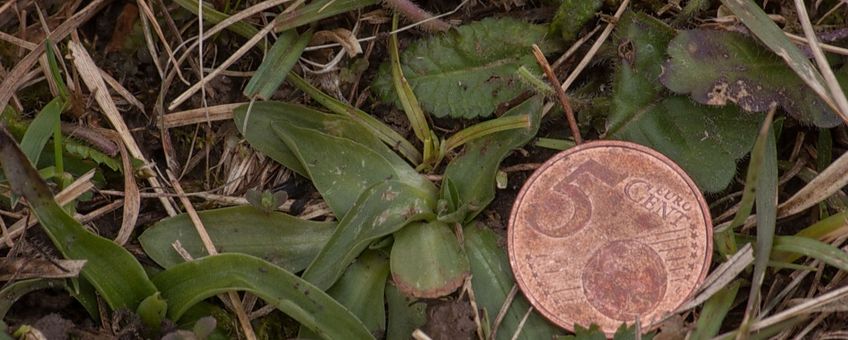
point(191, 282)
point(376, 126)
point(342, 168)
point(717, 67)
point(111, 269)
point(812, 248)
point(467, 72)
point(472, 173)
point(277, 63)
point(714, 311)
point(427, 260)
point(405, 314)
point(265, 115)
point(491, 278)
point(41, 129)
point(381, 210)
point(281, 239)
point(705, 142)
point(361, 290)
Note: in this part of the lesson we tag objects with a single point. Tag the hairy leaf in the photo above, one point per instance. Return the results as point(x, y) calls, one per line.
point(381, 210)
point(427, 260)
point(718, 67)
point(704, 141)
point(466, 72)
point(191, 282)
point(491, 278)
point(572, 15)
point(111, 269)
point(281, 239)
point(472, 173)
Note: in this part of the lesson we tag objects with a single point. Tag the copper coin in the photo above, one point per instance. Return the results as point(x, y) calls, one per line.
point(609, 232)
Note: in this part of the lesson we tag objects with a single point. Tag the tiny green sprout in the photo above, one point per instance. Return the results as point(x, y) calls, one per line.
point(266, 200)
point(538, 85)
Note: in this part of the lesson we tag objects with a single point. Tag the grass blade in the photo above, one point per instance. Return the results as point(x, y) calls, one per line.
point(714, 312)
point(41, 129)
point(812, 248)
point(765, 150)
point(111, 269)
point(277, 63)
point(407, 98)
point(191, 282)
point(724, 238)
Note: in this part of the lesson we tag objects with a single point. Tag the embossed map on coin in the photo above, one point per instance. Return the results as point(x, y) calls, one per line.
point(608, 232)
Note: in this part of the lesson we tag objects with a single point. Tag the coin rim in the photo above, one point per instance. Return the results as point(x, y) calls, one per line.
point(604, 144)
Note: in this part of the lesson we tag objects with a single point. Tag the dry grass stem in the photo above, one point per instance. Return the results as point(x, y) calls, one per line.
point(201, 115)
point(16, 75)
point(591, 53)
point(824, 67)
point(561, 96)
point(502, 312)
point(90, 75)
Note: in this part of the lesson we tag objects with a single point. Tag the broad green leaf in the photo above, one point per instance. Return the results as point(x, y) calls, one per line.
point(342, 168)
point(427, 260)
point(361, 290)
point(572, 15)
point(405, 314)
point(381, 210)
point(281, 239)
point(41, 129)
point(812, 248)
point(714, 311)
point(717, 67)
point(265, 115)
point(111, 269)
point(704, 141)
point(191, 282)
point(467, 72)
point(472, 173)
point(491, 279)
point(773, 36)
point(277, 63)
